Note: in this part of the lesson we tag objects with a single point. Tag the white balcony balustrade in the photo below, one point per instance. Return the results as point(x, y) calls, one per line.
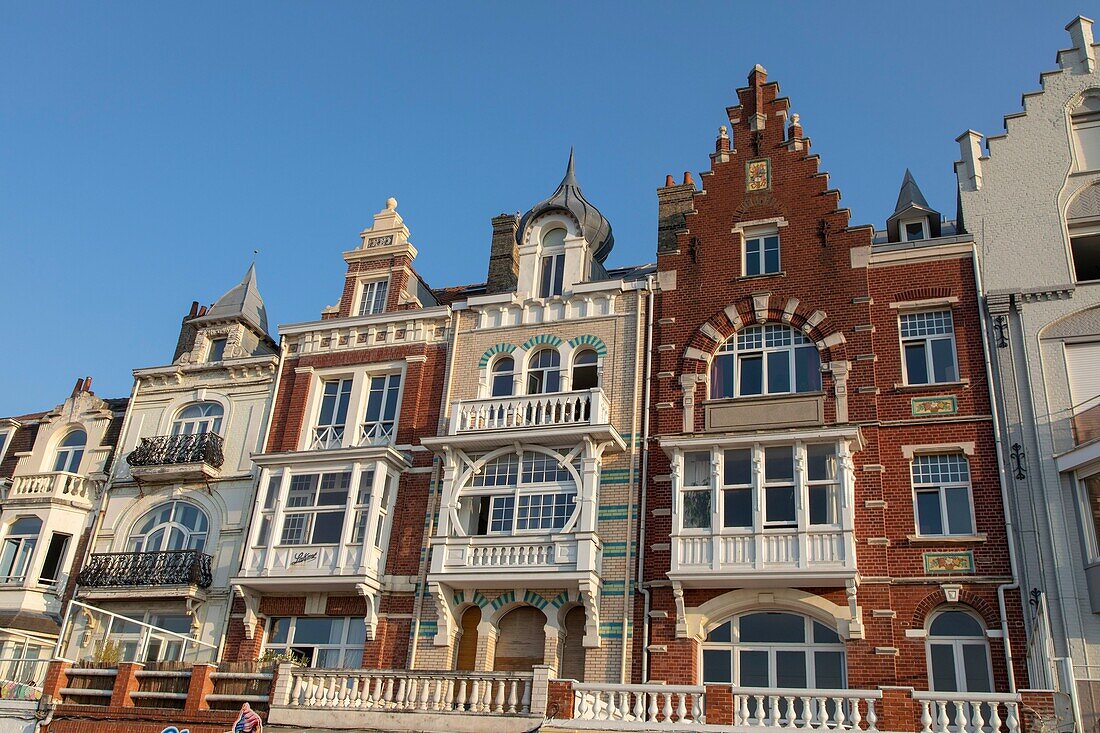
point(968, 712)
point(313, 560)
point(755, 707)
point(816, 551)
point(327, 437)
point(55, 485)
point(637, 707)
point(503, 557)
point(376, 433)
point(558, 409)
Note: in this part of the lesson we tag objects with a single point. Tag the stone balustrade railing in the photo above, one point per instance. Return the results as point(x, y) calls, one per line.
point(557, 409)
point(968, 712)
point(53, 485)
point(494, 693)
point(659, 706)
point(812, 709)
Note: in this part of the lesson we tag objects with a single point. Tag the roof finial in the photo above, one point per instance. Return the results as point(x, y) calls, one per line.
point(570, 175)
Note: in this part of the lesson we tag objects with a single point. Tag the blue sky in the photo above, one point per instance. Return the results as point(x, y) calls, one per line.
point(147, 148)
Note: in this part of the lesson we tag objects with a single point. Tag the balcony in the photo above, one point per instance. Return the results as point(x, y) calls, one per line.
point(167, 458)
point(558, 417)
point(319, 567)
point(498, 561)
point(180, 572)
point(821, 556)
point(54, 486)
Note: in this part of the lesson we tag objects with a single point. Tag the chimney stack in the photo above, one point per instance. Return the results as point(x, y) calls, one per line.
point(969, 169)
point(503, 255)
point(1080, 32)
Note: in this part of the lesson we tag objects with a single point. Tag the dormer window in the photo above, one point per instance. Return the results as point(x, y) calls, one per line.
point(373, 297)
point(216, 352)
point(552, 273)
point(761, 255)
point(914, 230)
point(1085, 121)
point(70, 452)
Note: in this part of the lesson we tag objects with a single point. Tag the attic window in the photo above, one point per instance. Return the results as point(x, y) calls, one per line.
point(1086, 132)
point(217, 350)
point(914, 230)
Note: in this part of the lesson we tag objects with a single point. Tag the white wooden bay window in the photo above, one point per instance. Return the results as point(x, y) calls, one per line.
point(512, 496)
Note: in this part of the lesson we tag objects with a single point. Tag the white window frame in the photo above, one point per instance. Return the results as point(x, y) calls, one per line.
point(941, 488)
point(374, 288)
point(6, 436)
point(510, 374)
point(500, 494)
point(197, 539)
point(331, 435)
point(808, 647)
point(528, 370)
point(1083, 120)
point(310, 511)
point(1091, 529)
point(956, 643)
point(903, 233)
point(729, 349)
point(927, 340)
point(210, 341)
point(344, 647)
point(758, 486)
point(199, 424)
point(761, 236)
point(24, 553)
point(73, 454)
point(381, 431)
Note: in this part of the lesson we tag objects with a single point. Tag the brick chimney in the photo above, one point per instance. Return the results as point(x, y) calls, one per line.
point(673, 203)
point(969, 169)
point(1080, 32)
point(186, 339)
point(503, 255)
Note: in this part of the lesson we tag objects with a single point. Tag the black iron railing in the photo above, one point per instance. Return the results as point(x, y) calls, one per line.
point(170, 450)
point(124, 569)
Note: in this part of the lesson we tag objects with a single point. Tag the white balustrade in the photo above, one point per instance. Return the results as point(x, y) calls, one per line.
point(587, 407)
point(523, 554)
point(54, 485)
point(811, 550)
point(638, 706)
point(327, 437)
point(491, 693)
point(968, 712)
point(755, 707)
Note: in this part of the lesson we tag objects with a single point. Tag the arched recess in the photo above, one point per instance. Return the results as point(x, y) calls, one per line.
point(466, 654)
point(571, 650)
point(173, 408)
point(965, 600)
point(211, 504)
point(699, 620)
point(520, 640)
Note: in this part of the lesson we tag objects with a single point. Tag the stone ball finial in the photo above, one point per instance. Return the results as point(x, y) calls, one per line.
point(391, 203)
point(795, 118)
point(722, 131)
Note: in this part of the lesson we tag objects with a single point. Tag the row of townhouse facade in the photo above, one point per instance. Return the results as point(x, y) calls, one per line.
point(796, 473)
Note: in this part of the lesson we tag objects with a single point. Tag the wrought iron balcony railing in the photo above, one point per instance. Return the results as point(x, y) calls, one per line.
point(127, 569)
point(171, 450)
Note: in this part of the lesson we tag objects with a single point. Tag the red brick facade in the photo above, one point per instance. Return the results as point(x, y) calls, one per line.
point(837, 289)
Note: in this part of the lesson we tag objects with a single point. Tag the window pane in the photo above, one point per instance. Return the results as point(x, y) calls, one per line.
point(956, 623)
point(697, 468)
point(821, 506)
point(914, 231)
point(779, 372)
point(821, 462)
point(752, 375)
point(547, 274)
point(752, 256)
point(717, 666)
point(697, 509)
point(943, 668)
point(786, 628)
point(943, 360)
point(829, 670)
point(824, 635)
point(807, 369)
point(294, 529)
point(280, 628)
point(737, 467)
point(318, 630)
point(559, 273)
point(720, 633)
point(790, 669)
point(958, 511)
point(779, 463)
point(916, 367)
point(779, 505)
point(976, 668)
point(326, 527)
point(334, 489)
point(771, 254)
point(737, 508)
point(721, 379)
point(754, 669)
point(928, 512)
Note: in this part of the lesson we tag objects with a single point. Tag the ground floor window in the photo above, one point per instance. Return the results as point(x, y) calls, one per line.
point(328, 642)
point(958, 654)
point(776, 650)
point(137, 643)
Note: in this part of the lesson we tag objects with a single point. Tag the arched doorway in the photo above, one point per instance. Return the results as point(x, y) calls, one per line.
point(571, 663)
point(467, 643)
point(520, 640)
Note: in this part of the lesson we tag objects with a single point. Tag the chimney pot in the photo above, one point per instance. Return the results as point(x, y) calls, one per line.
point(688, 180)
point(87, 384)
point(194, 309)
point(77, 386)
point(669, 180)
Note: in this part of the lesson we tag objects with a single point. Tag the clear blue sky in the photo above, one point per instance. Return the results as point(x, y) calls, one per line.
point(147, 148)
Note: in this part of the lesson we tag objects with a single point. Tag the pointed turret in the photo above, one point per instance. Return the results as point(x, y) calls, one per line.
point(568, 197)
point(912, 210)
point(242, 302)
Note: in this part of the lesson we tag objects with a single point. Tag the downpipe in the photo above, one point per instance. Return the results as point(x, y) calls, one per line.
point(640, 582)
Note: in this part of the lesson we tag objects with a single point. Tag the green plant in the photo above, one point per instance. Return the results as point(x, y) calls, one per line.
point(275, 658)
point(109, 652)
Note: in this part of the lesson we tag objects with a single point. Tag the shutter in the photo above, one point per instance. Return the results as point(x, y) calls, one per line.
point(1083, 365)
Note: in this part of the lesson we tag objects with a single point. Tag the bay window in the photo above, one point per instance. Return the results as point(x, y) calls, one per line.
point(763, 360)
point(514, 495)
point(315, 509)
point(760, 487)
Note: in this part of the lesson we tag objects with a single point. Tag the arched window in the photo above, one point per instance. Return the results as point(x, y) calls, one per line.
point(759, 360)
point(958, 654)
point(15, 555)
point(585, 371)
point(510, 495)
point(553, 263)
point(201, 417)
point(177, 525)
point(774, 649)
point(502, 377)
point(70, 451)
point(544, 372)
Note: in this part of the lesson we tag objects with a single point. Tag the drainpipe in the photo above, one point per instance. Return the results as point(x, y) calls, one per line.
point(628, 608)
point(998, 444)
point(650, 288)
point(269, 419)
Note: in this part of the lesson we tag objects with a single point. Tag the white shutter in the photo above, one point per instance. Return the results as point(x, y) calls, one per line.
point(1083, 365)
